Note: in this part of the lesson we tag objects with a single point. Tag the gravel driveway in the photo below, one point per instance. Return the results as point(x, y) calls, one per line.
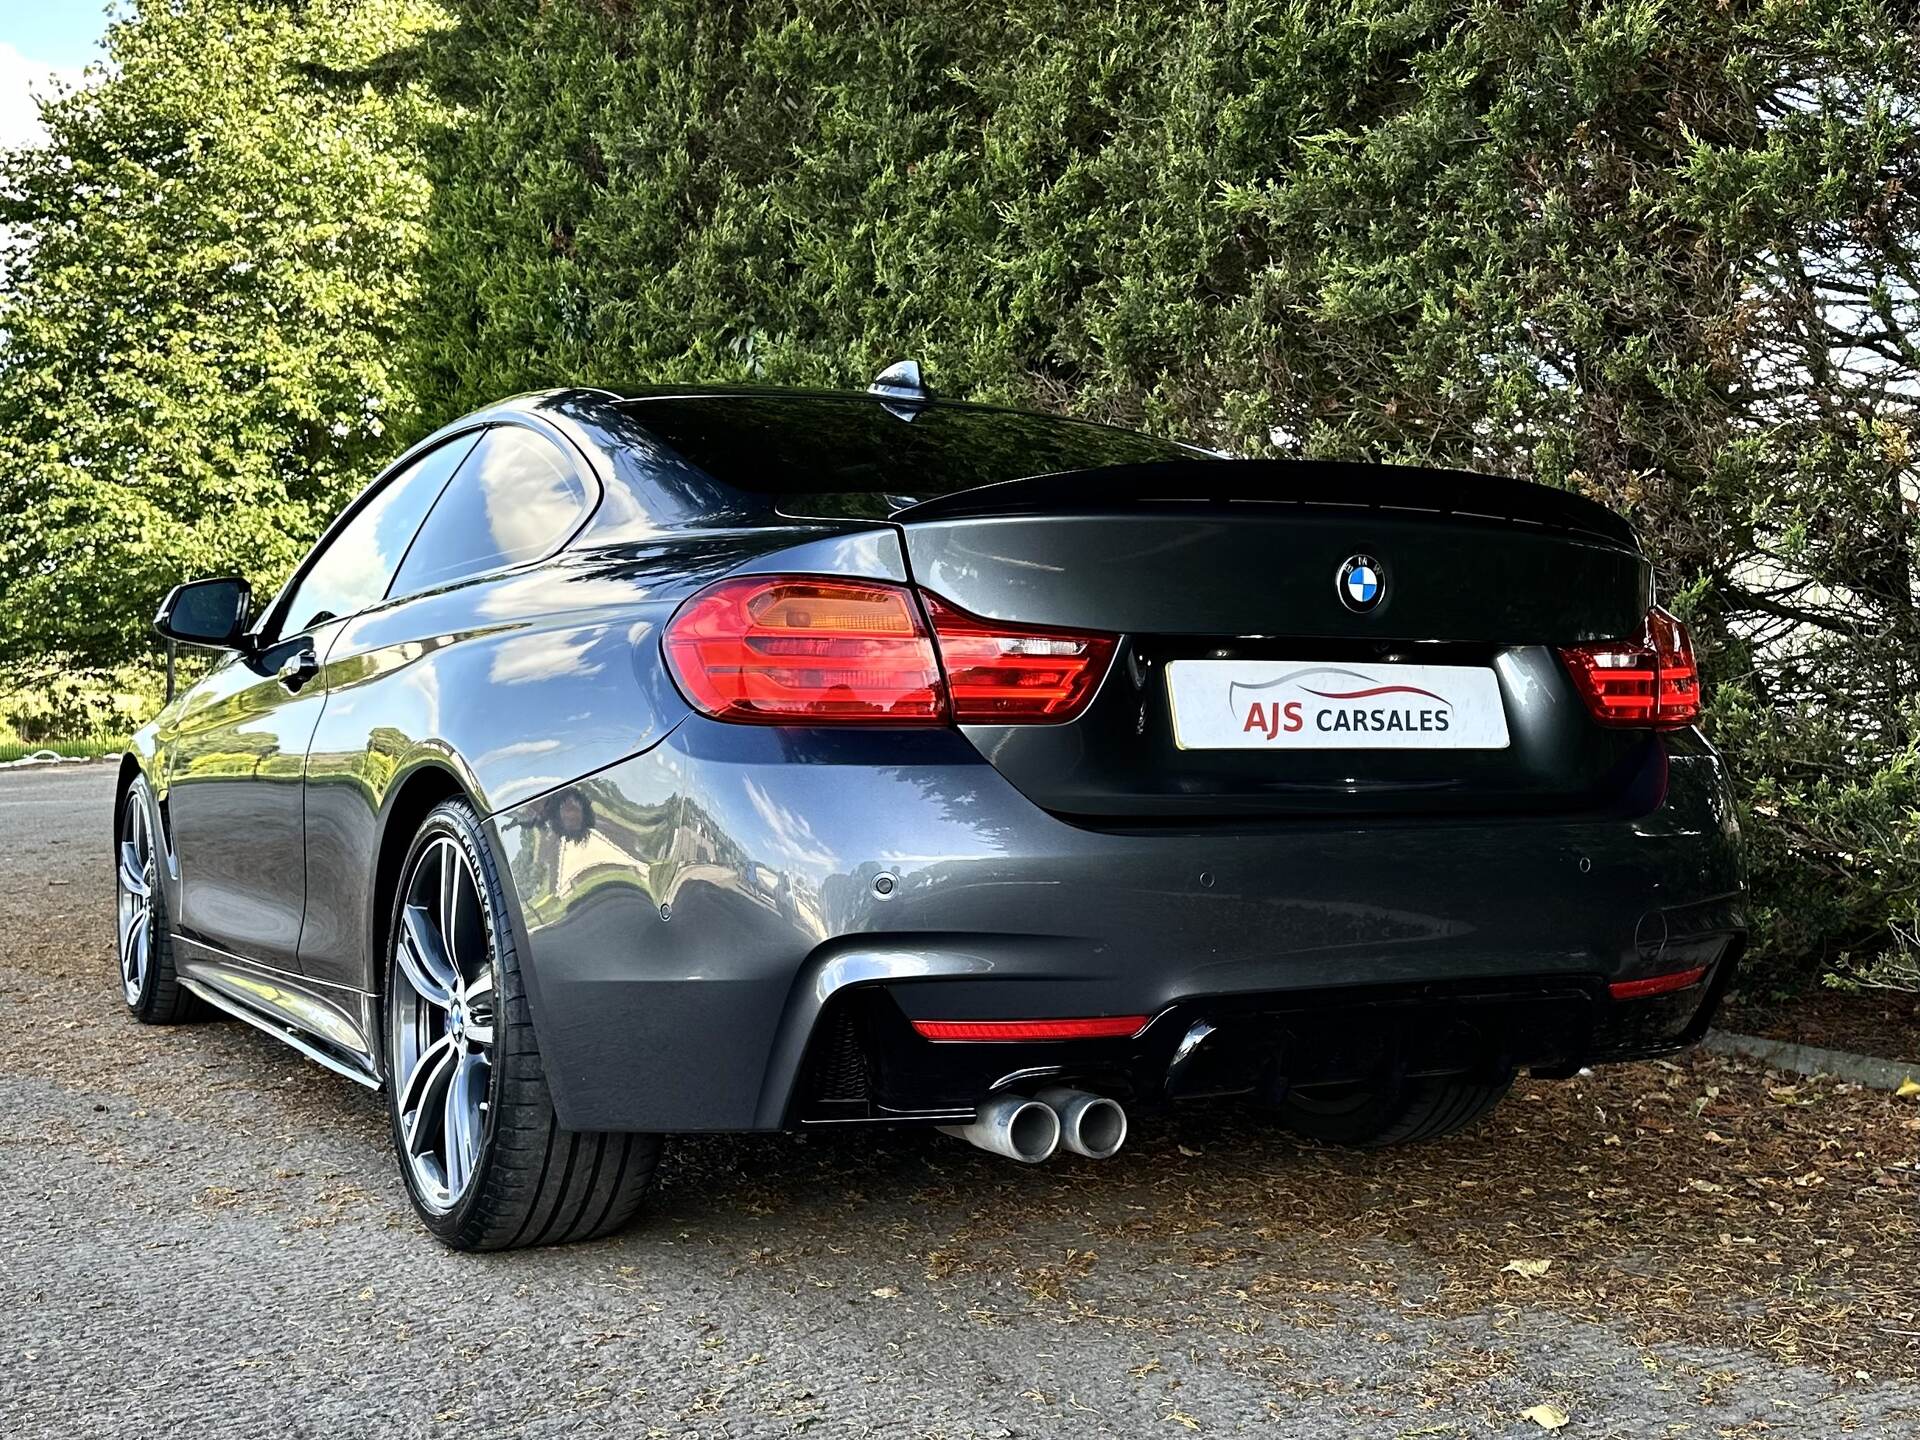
point(208, 1236)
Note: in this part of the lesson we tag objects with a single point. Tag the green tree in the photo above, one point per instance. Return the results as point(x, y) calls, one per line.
point(209, 269)
point(1663, 253)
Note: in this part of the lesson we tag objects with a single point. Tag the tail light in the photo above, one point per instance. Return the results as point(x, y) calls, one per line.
point(782, 650)
point(1008, 674)
point(813, 650)
point(1650, 682)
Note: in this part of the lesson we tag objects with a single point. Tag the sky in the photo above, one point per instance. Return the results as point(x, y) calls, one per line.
point(39, 38)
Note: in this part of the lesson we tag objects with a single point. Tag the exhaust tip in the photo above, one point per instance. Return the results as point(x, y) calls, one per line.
point(1091, 1125)
point(1102, 1130)
point(1033, 1132)
point(1013, 1126)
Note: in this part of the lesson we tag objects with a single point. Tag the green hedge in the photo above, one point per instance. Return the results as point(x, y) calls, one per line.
point(1613, 247)
point(1664, 254)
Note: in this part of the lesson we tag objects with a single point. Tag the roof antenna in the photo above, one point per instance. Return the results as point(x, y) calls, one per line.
point(901, 384)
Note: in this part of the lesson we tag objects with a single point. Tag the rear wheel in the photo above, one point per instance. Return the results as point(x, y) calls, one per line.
point(148, 984)
point(1372, 1115)
point(486, 1162)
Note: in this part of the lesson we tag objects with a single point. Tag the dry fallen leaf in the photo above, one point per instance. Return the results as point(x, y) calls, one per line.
point(1909, 1087)
point(1547, 1417)
point(885, 1292)
point(1530, 1269)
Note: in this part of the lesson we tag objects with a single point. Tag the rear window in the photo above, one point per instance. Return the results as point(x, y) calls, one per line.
point(852, 455)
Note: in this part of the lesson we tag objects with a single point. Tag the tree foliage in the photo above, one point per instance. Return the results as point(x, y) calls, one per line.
point(1662, 253)
point(208, 275)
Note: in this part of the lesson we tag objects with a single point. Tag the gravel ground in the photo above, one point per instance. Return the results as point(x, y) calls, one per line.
point(208, 1234)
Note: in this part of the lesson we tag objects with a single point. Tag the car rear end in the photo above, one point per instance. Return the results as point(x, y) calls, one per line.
point(1161, 780)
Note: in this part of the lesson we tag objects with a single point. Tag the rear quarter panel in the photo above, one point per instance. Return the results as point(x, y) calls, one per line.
point(516, 684)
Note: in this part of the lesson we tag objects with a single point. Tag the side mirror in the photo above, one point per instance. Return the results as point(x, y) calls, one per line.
point(212, 613)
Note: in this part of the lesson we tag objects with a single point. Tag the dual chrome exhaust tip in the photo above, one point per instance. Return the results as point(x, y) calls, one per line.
point(1030, 1130)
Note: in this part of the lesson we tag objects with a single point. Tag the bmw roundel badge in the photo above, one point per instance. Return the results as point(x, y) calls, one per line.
point(1362, 583)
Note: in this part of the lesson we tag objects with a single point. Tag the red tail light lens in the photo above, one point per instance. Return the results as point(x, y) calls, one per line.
point(813, 650)
point(787, 650)
point(1650, 682)
point(1000, 673)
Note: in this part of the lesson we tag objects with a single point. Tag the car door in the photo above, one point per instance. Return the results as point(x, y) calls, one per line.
point(238, 754)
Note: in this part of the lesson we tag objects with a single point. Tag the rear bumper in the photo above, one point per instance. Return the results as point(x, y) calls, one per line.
point(867, 1063)
point(707, 924)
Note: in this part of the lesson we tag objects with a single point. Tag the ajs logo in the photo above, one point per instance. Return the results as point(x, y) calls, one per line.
point(1334, 701)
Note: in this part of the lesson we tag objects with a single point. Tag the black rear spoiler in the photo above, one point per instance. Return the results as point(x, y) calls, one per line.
point(1454, 493)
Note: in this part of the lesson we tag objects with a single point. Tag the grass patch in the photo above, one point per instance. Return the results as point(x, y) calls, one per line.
point(19, 749)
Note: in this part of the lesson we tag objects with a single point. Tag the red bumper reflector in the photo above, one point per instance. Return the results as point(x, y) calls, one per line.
point(1098, 1027)
point(1656, 984)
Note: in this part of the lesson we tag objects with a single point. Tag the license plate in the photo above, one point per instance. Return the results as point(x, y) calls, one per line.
point(1312, 705)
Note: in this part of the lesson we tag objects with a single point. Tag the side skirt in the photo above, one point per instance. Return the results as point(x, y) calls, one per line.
point(283, 1007)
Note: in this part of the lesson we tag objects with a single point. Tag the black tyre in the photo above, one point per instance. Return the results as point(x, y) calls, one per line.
point(1371, 1116)
point(143, 944)
point(486, 1162)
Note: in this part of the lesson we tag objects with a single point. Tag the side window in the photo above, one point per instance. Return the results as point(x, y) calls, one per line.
point(353, 569)
point(514, 500)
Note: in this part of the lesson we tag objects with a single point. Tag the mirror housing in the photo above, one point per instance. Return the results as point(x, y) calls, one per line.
point(212, 613)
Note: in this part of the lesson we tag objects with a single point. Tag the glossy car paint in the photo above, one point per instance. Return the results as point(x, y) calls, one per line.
point(233, 776)
point(764, 845)
point(690, 895)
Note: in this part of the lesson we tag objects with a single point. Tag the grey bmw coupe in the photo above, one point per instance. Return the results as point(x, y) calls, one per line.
point(624, 763)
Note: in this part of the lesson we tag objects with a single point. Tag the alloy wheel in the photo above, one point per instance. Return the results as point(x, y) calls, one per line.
point(135, 909)
point(440, 1025)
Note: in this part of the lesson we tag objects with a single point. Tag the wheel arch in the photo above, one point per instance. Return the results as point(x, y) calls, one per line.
point(130, 770)
point(414, 796)
point(133, 766)
point(411, 798)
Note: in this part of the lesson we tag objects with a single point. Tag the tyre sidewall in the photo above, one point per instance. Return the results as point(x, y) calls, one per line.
point(140, 793)
point(1354, 1118)
point(1392, 1112)
point(457, 820)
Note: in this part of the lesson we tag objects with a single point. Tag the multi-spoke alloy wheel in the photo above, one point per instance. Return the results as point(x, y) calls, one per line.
point(486, 1160)
point(143, 948)
point(137, 881)
point(441, 1023)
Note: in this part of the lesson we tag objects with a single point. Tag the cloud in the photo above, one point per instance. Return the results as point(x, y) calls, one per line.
point(544, 656)
point(22, 79)
point(790, 831)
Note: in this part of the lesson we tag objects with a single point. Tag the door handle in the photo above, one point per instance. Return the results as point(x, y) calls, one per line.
point(297, 669)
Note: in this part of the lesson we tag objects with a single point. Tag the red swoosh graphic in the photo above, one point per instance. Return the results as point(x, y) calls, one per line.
point(1376, 690)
